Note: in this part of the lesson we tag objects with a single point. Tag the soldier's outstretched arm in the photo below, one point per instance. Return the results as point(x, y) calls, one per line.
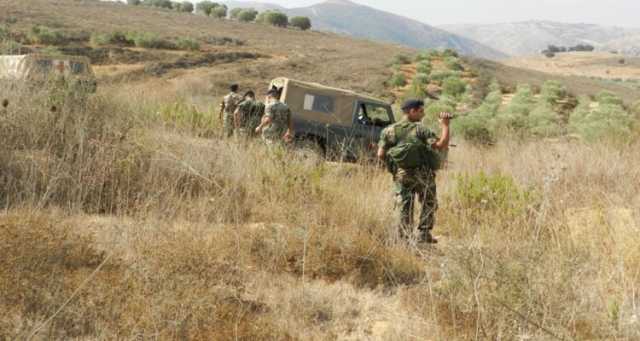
point(445, 134)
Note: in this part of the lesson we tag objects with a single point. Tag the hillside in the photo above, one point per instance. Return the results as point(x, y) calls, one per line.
point(125, 214)
point(531, 37)
point(348, 18)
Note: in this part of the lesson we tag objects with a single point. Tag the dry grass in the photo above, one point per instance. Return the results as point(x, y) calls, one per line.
point(193, 237)
point(207, 239)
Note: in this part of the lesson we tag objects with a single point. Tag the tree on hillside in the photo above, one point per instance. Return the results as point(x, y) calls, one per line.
point(247, 15)
point(607, 120)
point(210, 8)
point(133, 2)
point(302, 23)
point(274, 18)
point(158, 3)
point(234, 13)
point(186, 7)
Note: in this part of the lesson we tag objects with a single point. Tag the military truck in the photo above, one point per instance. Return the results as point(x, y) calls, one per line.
point(36, 69)
point(341, 123)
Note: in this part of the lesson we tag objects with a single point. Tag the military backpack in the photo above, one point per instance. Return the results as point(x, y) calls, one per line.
point(411, 152)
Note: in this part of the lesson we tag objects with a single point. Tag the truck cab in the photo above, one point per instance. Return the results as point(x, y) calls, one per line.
point(342, 123)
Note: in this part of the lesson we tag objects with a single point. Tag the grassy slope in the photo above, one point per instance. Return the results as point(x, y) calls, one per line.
point(210, 239)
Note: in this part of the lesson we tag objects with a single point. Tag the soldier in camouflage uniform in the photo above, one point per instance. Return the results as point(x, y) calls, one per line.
point(227, 108)
point(248, 115)
point(276, 125)
point(419, 181)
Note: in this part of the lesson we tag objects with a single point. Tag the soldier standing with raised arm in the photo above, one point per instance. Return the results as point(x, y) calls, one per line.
point(413, 154)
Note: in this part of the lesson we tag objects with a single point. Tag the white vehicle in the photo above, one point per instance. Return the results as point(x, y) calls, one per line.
point(35, 68)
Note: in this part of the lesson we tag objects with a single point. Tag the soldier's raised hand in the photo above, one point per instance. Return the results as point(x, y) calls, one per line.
point(445, 118)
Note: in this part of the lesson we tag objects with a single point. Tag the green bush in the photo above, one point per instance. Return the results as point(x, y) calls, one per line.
point(273, 18)
point(302, 23)
point(607, 97)
point(606, 120)
point(186, 7)
point(4, 33)
point(133, 2)
point(46, 36)
point(398, 80)
point(188, 44)
point(635, 109)
point(401, 59)
point(210, 8)
point(442, 75)
point(149, 41)
point(247, 15)
point(424, 67)
point(434, 108)
point(453, 86)
point(219, 12)
point(119, 38)
point(415, 91)
point(479, 125)
point(515, 114)
point(421, 79)
point(453, 63)
point(543, 121)
point(552, 91)
point(425, 56)
point(494, 192)
point(450, 53)
point(158, 3)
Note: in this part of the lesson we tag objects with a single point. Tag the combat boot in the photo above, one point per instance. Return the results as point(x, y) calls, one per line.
point(427, 237)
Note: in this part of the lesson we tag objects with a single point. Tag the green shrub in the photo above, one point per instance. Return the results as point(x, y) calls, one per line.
point(398, 80)
point(544, 121)
point(453, 86)
point(607, 120)
point(453, 63)
point(188, 44)
point(494, 192)
point(118, 38)
point(133, 2)
point(552, 91)
point(421, 79)
point(401, 59)
point(219, 12)
point(424, 67)
point(149, 41)
point(479, 125)
point(515, 114)
point(302, 23)
point(635, 109)
point(442, 75)
point(607, 97)
point(4, 33)
point(450, 53)
point(434, 108)
point(46, 36)
point(424, 57)
point(209, 8)
point(247, 15)
point(158, 3)
point(273, 18)
point(415, 91)
point(185, 7)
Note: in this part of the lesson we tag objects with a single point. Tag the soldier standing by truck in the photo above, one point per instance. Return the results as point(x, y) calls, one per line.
point(227, 108)
point(276, 125)
point(248, 114)
point(413, 155)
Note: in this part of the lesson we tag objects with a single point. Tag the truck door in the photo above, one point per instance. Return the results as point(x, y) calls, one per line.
point(369, 120)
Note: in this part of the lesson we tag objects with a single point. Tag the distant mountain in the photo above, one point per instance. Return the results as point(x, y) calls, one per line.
point(348, 18)
point(530, 37)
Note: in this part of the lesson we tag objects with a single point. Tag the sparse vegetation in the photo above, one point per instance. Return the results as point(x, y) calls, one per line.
point(398, 80)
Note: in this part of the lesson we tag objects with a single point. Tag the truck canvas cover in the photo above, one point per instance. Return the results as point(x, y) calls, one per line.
point(319, 103)
point(33, 66)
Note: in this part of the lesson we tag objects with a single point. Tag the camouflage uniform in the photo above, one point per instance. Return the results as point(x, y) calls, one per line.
point(280, 116)
point(409, 183)
point(230, 103)
point(250, 112)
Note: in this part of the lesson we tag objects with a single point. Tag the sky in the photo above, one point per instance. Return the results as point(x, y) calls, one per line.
point(624, 13)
